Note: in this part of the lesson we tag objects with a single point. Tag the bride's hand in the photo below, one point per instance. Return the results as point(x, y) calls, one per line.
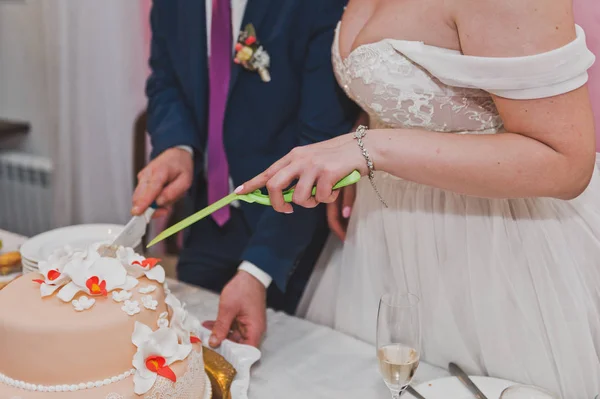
point(338, 212)
point(322, 165)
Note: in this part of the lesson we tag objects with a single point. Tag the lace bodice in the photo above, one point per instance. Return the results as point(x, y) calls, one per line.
point(404, 84)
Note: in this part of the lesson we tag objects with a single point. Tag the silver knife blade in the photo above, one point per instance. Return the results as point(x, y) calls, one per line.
point(464, 378)
point(134, 230)
point(414, 393)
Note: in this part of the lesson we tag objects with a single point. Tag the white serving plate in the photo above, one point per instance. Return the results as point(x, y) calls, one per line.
point(241, 357)
point(452, 388)
point(40, 247)
point(29, 268)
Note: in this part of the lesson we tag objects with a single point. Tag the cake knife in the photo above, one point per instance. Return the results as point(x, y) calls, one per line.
point(414, 393)
point(133, 232)
point(255, 197)
point(456, 371)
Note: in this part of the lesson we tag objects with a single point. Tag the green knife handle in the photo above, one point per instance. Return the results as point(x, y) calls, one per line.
point(264, 199)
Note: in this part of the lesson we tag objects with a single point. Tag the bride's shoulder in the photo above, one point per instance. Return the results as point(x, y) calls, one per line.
point(513, 28)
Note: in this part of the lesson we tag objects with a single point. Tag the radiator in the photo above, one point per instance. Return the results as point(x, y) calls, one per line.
point(25, 193)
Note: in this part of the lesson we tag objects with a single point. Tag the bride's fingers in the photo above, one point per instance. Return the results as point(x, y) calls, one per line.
point(261, 180)
point(334, 219)
point(333, 197)
point(325, 185)
point(348, 201)
point(282, 180)
point(303, 190)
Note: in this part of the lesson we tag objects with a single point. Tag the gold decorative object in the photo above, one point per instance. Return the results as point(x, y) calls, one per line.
point(220, 372)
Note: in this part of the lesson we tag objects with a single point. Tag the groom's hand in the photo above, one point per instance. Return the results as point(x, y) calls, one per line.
point(242, 312)
point(165, 179)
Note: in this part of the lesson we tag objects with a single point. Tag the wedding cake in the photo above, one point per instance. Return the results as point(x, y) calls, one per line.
point(98, 327)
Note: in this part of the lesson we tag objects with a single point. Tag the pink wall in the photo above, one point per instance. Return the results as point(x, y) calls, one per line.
point(146, 5)
point(587, 14)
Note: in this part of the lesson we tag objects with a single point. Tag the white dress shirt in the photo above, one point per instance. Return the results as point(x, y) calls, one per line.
point(238, 7)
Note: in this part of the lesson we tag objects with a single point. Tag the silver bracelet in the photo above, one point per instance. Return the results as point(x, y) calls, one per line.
point(360, 133)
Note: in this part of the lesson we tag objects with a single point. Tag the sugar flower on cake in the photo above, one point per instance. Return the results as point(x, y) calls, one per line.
point(95, 276)
point(138, 266)
point(120, 296)
point(53, 277)
point(163, 320)
point(83, 303)
point(185, 325)
point(131, 307)
point(52, 269)
point(156, 352)
point(147, 289)
point(149, 302)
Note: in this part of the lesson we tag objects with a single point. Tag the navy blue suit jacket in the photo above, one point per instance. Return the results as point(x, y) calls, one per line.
point(301, 105)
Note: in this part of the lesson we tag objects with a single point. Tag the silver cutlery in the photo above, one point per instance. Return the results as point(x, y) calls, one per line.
point(414, 393)
point(134, 230)
point(464, 378)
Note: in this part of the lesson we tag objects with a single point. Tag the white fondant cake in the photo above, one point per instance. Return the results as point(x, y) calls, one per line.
point(98, 327)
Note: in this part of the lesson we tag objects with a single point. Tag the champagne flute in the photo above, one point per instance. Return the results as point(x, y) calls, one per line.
point(398, 340)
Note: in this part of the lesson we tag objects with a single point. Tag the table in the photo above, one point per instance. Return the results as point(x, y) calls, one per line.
point(302, 360)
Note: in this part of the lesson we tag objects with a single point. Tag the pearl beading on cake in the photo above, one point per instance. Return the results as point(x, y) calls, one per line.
point(64, 387)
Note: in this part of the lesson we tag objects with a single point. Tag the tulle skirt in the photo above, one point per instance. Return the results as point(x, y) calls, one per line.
point(508, 288)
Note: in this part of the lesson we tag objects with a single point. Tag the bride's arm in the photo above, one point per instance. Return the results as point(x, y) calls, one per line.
point(552, 155)
point(548, 150)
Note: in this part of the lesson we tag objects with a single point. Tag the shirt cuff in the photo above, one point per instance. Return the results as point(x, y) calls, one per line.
point(260, 275)
point(186, 148)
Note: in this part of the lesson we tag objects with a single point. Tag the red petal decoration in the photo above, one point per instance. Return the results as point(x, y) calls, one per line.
point(250, 40)
point(151, 262)
point(95, 286)
point(148, 263)
point(38, 281)
point(167, 373)
point(155, 363)
point(103, 288)
point(53, 275)
point(238, 47)
point(195, 340)
point(91, 281)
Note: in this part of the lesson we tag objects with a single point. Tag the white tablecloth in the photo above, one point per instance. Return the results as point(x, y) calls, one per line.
point(300, 360)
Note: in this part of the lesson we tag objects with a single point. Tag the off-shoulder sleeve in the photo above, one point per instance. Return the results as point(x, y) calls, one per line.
point(530, 77)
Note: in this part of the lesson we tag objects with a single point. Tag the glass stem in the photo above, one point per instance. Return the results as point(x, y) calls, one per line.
point(397, 393)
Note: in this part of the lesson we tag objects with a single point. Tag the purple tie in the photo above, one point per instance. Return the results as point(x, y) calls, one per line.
point(219, 70)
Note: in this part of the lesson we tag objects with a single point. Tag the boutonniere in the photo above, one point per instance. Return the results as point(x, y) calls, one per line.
point(251, 55)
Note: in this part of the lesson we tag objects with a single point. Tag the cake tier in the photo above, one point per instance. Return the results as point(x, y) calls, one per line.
point(192, 383)
point(45, 341)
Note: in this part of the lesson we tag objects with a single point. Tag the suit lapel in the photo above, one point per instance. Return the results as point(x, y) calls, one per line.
point(193, 34)
point(256, 10)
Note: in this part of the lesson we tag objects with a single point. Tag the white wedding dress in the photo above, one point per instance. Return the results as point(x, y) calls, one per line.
point(508, 288)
